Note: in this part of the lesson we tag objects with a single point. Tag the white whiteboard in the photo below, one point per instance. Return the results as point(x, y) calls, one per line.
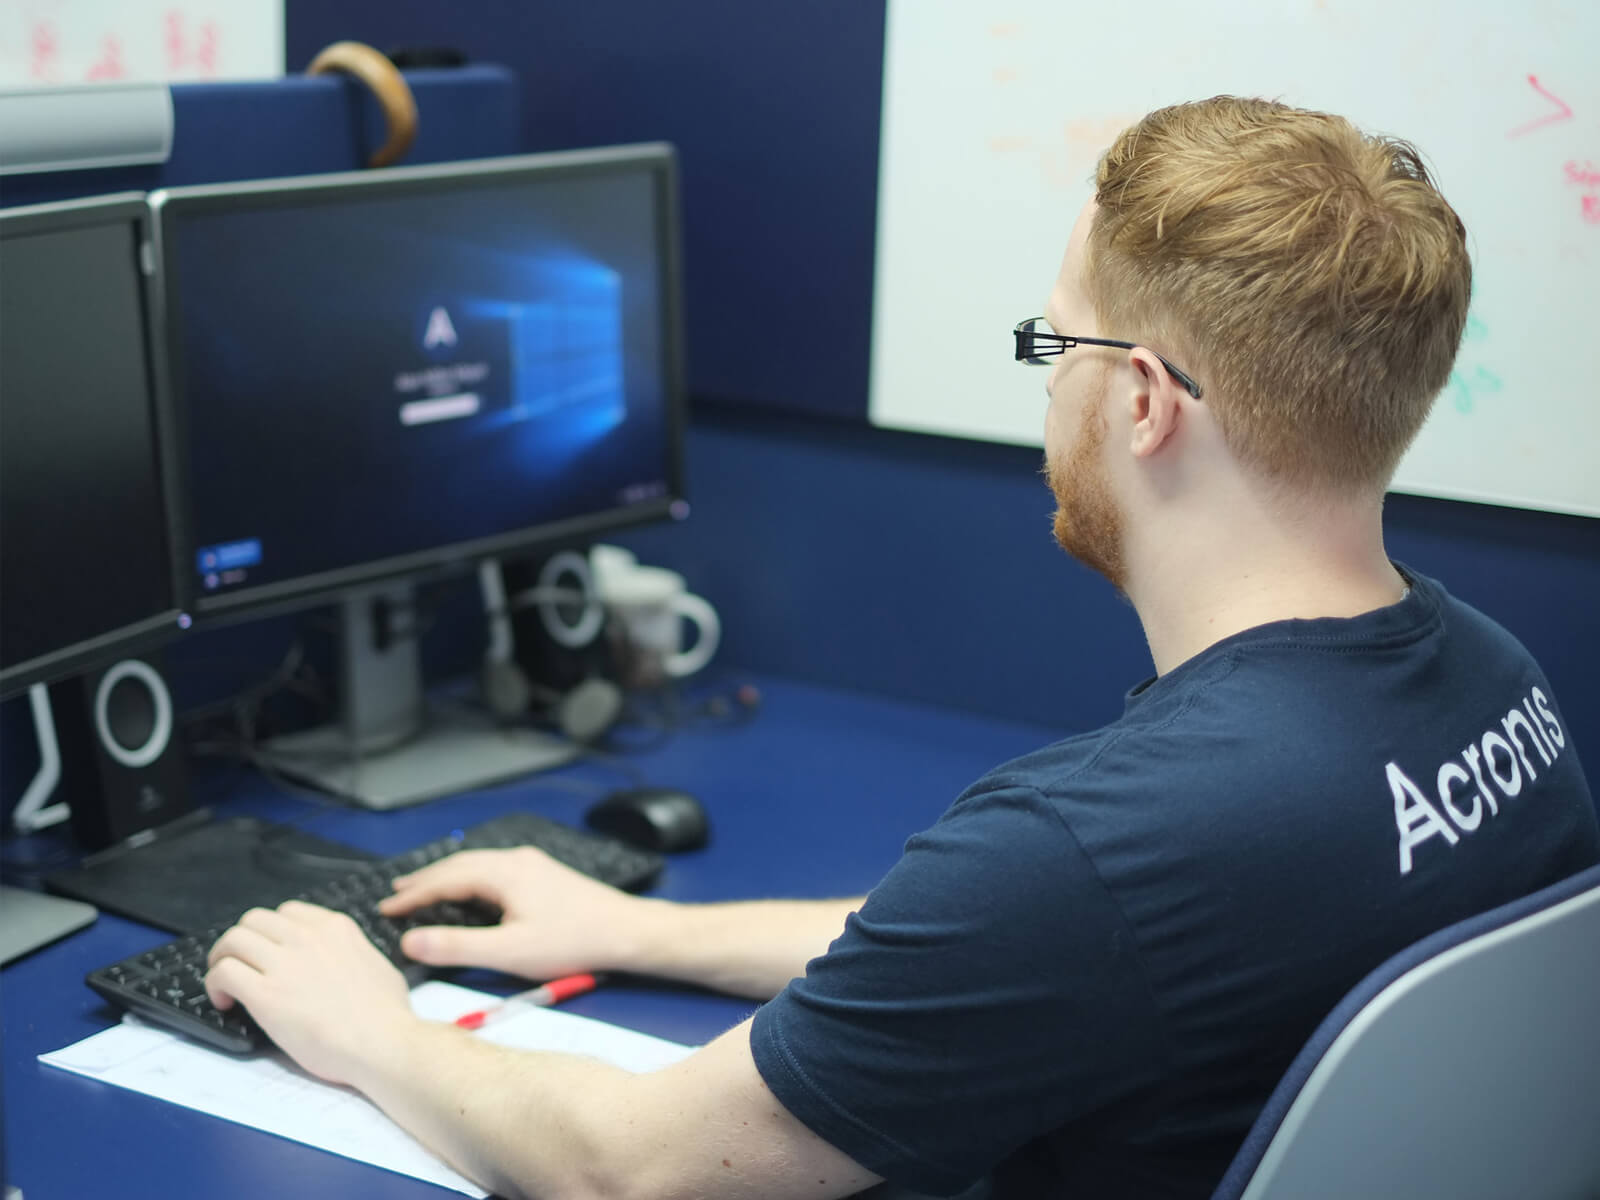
point(52, 43)
point(995, 113)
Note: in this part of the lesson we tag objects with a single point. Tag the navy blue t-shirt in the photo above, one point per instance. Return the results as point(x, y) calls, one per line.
point(1087, 978)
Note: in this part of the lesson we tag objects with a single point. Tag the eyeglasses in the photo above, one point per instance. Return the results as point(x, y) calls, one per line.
point(1037, 344)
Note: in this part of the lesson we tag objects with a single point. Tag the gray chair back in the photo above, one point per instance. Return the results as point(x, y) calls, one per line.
point(1466, 1068)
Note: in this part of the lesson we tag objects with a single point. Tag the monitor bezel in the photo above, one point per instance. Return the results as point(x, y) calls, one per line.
point(147, 634)
point(170, 206)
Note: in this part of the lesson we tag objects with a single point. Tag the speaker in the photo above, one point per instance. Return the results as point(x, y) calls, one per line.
point(556, 620)
point(546, 651)
point(121, 766)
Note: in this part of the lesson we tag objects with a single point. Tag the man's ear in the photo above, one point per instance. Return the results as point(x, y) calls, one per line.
point(1154, 403)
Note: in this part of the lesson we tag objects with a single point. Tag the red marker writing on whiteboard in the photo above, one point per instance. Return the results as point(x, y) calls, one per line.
point(542, 996)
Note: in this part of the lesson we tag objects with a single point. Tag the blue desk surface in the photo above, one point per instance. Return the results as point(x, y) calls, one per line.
point(813, 796)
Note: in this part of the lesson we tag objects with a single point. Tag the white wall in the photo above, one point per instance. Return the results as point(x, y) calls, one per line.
point(56, 43)
point(996, 111)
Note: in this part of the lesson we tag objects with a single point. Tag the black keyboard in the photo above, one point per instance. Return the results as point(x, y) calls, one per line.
point(167, 985)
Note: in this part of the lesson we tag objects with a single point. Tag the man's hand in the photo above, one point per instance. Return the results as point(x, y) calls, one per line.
point(313, 981)
point(554, 921)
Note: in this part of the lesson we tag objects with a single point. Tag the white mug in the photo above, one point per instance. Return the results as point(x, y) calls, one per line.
point(608, 564)
point(647, 607)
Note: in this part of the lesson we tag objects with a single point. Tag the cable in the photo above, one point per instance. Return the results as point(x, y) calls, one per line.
point(673, 712)
point(292, 674)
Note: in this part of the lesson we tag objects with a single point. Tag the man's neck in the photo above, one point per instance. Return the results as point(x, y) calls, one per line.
point(1198, 582)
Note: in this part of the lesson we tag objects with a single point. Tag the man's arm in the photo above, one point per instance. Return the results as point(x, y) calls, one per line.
point(554, 1125)
point(747, 948)
point(520, 1124)
point(750, 948)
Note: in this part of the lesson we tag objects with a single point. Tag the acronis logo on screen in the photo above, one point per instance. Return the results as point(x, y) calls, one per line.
point(441, 331)
point(463, 369)
point(540, 357)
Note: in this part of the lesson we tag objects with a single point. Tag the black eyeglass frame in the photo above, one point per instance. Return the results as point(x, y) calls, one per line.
point(1027, 351)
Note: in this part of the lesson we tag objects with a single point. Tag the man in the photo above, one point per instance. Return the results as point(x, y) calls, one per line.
point(1088, 976)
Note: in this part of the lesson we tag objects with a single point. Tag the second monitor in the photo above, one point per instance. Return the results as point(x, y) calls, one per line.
point(381, 376)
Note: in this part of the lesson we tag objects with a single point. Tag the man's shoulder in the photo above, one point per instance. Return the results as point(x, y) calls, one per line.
point(1153, 739)
point(1321, 711)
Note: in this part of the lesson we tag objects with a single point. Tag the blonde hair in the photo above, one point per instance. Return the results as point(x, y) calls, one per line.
point(1311, 278)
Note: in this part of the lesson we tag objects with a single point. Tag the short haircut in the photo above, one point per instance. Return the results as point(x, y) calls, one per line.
point(1311, 277)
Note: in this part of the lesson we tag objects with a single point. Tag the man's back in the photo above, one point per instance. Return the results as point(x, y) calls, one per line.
point(1125, 937)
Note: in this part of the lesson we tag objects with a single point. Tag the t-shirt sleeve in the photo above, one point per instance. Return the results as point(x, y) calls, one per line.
point(988, 991)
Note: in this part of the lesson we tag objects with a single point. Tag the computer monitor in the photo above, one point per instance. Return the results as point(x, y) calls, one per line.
point(88, 573)
point(87, 565)
point(382, 376)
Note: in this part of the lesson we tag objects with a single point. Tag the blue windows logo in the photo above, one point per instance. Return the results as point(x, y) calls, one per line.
point(565, 338)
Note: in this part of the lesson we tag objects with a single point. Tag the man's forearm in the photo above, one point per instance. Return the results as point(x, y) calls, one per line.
point(551, 1125)
point(750, 948)
point(508, 1120)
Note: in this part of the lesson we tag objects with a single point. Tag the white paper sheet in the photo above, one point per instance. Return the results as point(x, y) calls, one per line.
point(270, 1093)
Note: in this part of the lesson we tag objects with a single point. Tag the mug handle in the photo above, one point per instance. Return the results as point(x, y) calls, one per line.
point(698, 610)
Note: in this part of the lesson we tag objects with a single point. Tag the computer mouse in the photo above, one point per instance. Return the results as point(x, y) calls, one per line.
point(653, 818)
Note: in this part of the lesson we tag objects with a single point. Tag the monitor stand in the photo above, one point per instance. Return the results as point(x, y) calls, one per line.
point(390, 748)
point(29, 920)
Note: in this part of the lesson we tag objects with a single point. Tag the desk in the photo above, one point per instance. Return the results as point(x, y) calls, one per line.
point(812, 797)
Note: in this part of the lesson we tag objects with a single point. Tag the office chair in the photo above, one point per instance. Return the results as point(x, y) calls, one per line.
point(1467, 1067)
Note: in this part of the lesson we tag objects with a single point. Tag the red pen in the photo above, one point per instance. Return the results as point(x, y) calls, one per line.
point(542, 996)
